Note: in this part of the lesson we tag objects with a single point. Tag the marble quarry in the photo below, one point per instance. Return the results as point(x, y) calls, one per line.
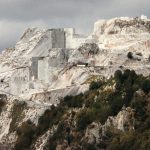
point(51, 54)
point(50, 59)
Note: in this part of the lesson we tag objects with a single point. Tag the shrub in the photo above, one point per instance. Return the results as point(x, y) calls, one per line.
point(88, 97)
point(130, 141)
point(25, 135)
point(44, 121)
point(118, 75)
point(119, 80)
point(128, 96)
point(101, 111)
point(116, 103)
point(3, 99)
point(50, 117)
point(130, 55)
point(74, 101)
point(126, 74)
point(57, 136)
point(95, 85)
point(123, 142)
point(87, 146)
point(84, 118)
point(139, 103)
point(17, 114)
point(118, 86)
point(146, 86)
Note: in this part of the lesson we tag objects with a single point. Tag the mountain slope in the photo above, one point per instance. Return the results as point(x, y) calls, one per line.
point(46, 65)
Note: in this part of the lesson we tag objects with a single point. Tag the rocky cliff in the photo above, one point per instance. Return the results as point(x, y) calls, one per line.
point(48, 64)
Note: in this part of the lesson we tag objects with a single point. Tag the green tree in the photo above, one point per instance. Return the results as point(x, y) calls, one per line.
point(118, 76)
point(25, 135)
point(84, 118)
point(146, 86)
point(95, 85)
point(130, 55)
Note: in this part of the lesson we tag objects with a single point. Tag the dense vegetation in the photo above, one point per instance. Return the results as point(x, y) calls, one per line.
point(74, 113)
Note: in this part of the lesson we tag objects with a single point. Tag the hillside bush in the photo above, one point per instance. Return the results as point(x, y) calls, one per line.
point(95, 85)
point(130, 55)
point(3, 99)
point(84, 118)
point(17, 114)
point(25, 135)
point(74, 101)
point(146, 86)
point(101, 112)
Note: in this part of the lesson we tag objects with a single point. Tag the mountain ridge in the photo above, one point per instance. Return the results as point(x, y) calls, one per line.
point(49, 64)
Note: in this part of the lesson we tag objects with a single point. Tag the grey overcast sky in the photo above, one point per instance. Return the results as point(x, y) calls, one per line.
point(17, 15)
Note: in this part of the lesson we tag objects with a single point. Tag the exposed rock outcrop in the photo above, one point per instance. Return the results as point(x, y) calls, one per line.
point(48, 64)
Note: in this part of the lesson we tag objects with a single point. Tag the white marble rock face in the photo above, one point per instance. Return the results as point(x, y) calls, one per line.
point(47, 55)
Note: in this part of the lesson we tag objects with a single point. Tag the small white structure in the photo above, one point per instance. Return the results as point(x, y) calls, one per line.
point(143, 17)
point(73, 40)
